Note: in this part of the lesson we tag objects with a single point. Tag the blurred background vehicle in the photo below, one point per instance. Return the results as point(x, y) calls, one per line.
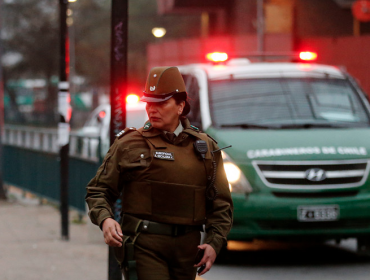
point(97, 124)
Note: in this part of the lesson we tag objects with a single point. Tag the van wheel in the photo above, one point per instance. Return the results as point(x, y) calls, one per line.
point(363, 246)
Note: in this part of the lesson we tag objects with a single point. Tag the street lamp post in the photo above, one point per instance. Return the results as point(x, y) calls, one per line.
point(118, 92)
point(64, 110)
point(2, 191)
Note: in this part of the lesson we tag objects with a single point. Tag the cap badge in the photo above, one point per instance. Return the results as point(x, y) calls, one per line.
point(152, 88)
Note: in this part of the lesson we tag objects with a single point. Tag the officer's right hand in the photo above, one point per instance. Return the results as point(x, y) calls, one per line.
point(112, 233)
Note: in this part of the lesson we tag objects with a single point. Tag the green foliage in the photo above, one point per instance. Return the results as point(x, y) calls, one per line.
point(32, 29)
point(92, 40)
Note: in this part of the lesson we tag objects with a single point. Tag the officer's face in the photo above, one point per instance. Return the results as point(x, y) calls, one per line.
point(164, 115)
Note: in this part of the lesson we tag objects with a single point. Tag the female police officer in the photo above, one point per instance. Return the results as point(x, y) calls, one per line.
point(172, 181)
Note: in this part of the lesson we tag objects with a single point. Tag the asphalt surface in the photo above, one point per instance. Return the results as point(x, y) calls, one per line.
point(31, 249)
point(291, 261)
point(31, 246)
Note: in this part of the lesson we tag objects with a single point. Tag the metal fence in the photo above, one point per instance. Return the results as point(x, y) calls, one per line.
point(31, 162)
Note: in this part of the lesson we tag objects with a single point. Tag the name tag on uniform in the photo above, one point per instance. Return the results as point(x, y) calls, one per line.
point(164, 155)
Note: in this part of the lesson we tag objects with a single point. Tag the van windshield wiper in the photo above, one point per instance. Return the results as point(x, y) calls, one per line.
point(251, 126)
point(311, 125)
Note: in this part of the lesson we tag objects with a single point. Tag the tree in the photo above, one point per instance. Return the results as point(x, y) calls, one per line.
point(31, 32)
point(31, 29)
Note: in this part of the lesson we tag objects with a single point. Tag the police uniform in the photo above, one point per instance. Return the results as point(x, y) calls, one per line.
point(164, 201)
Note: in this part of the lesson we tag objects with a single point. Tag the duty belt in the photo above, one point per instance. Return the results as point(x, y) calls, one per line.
point(167, 229)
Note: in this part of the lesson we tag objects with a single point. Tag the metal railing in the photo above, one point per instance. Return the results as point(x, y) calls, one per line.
point(31, 162)
point(46, 140)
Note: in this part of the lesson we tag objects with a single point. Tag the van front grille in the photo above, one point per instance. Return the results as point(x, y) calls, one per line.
point(311, 175)
point(296, 225)
point(315, 194)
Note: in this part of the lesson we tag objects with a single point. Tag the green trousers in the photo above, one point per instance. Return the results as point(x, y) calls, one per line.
point(162, 257)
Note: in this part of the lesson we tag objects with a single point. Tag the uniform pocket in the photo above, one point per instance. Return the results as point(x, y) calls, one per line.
point(177, 203)
point(139, 156)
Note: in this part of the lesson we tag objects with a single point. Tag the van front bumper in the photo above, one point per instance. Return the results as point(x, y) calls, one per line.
point(265, 216)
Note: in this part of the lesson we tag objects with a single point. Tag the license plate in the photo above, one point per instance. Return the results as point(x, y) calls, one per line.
point(318, 213)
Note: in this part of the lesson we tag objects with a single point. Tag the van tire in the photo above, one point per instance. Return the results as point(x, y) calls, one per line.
point(363, 246)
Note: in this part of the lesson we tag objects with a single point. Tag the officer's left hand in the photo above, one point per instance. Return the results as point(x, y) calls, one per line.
point(208, 259)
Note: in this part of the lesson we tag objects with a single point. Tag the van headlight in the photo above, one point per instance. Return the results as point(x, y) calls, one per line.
point(238, 183)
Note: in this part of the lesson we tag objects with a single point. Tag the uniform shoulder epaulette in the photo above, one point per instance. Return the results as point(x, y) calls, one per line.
point(194, 128)
point(125, 131)
point(212, 138)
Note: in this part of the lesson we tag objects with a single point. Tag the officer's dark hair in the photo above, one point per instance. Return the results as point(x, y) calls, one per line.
point(179, 97)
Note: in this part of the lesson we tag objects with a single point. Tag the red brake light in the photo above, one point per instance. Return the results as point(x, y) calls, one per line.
point(308, 56)
point(217, 56)
point(132, 99)
point(102, 114)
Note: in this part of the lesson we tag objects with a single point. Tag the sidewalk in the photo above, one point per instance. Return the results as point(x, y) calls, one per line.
point(31, 247)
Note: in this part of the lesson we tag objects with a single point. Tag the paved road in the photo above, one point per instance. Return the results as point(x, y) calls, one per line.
point(276, 261)
point(31, 249)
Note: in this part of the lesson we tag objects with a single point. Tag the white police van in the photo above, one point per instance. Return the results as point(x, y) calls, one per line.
point(300, 157)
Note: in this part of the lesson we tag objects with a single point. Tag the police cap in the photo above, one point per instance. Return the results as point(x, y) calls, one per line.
point(163, 83)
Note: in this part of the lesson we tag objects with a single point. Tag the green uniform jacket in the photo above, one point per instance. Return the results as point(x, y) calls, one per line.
point(119, 169)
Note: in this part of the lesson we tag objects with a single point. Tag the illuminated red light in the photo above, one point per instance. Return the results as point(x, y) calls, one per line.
point(217, 57)
point(69, 114)
point(132, 99)
point(308, 56)
point(102, 114)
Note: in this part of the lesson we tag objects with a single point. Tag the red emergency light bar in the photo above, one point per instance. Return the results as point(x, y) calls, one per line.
point(308, 56)
point(217, 56)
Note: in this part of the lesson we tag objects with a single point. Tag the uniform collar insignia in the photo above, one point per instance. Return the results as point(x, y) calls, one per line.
point(194, 127)
point(149, 131)
point(147, 125)
point(190, 129)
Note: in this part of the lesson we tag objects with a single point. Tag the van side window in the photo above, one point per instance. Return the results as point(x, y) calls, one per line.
point(193, 95)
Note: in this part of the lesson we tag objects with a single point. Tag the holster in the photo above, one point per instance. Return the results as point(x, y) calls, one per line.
point(125, 254)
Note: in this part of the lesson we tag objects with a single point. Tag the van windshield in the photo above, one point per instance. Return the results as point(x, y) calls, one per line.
point(283, 102)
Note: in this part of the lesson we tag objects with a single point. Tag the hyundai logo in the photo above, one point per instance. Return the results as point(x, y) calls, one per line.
point(315, 174)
